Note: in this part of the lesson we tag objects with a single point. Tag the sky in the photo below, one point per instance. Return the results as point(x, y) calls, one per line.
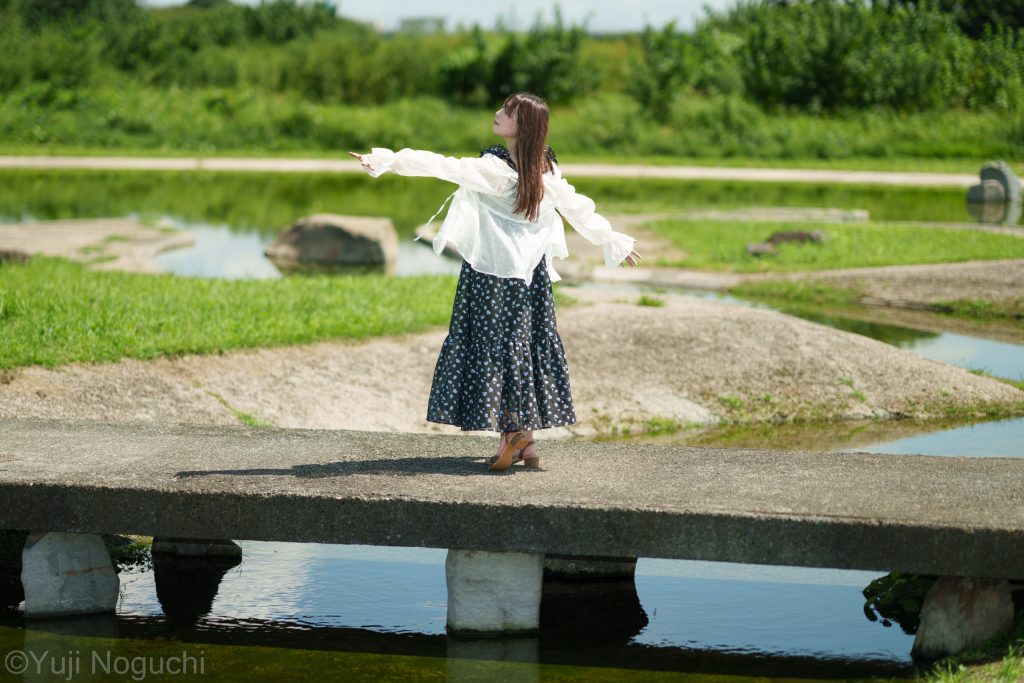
point(600, 15)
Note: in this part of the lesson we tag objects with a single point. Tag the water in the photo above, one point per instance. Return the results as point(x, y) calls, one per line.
point(1003, 438)
point(222, 252)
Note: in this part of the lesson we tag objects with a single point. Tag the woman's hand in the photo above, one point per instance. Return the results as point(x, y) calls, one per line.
point(632, 258)
point(362, 160)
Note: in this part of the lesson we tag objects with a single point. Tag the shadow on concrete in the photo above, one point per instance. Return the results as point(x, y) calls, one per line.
point(406, 466)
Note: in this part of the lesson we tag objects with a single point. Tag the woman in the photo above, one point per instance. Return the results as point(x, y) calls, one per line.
point(502, 366)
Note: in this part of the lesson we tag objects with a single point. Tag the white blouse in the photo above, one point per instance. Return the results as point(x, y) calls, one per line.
point(480, 223)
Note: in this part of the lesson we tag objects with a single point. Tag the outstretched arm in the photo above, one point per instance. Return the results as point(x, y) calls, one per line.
point(578, 209)
point(484, 174)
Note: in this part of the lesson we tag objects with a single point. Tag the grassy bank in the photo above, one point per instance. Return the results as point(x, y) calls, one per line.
point(130, 118)
point(821, 293)
point(721, 245)
point(54, 311)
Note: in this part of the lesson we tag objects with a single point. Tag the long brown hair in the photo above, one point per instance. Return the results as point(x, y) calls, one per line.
point(531, 116)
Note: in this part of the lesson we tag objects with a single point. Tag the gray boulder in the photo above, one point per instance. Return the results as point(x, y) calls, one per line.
point(1000, 172)
point(332, 240)
point(997, 198)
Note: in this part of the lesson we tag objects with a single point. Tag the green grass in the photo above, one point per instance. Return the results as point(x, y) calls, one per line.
point(998, 659)
point(647, 300)
point(243, 417)
point(721, 245)
point(54, 311)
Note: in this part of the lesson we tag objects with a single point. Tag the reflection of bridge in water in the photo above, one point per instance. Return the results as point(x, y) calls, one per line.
point(565, 643)
point(959, 518)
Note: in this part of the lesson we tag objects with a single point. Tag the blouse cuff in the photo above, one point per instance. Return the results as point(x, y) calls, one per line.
point(617, 248)
point(381, 160)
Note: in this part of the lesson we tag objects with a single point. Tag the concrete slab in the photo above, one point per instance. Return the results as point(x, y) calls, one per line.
point(914, 513)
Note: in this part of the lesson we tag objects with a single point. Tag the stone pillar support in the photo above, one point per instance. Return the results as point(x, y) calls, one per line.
point(961, 612)
point(493, 593)
point(583, 568)
point(196, 547)
point(67, 573)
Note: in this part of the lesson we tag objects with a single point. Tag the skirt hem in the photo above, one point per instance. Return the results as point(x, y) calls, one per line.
point(491, 428)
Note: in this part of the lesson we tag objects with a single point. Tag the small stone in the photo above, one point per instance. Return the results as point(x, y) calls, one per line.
point(799, 236)
point(760, 248)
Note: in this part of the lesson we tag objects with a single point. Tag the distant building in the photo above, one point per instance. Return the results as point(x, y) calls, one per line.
point(421, 25)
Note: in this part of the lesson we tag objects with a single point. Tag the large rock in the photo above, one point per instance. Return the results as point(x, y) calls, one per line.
point(997, 198)
point(334, 240)
point(1000, 172)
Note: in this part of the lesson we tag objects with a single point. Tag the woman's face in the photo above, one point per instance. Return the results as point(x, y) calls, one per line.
point(504, 125)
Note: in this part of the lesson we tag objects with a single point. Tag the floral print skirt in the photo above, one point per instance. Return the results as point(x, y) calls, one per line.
point(502, 366)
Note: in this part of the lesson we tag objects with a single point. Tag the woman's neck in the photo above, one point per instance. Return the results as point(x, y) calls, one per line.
point(511, 144)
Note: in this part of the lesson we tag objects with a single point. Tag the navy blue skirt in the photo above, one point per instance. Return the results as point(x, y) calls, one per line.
point(502, 366)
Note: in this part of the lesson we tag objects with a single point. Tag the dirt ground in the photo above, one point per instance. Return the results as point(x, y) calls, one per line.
point(690, 360)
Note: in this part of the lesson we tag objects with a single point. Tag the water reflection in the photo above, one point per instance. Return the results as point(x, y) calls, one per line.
point(186, 586)
point(222, 252)
point(973, 353)
point(998, 438)
point(402, 590)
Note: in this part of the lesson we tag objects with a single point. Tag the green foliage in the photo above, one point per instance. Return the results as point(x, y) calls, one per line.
point(545, 61)
point(830, 56)
point(827, 55)
point(897, 597)
point(814, 56)
point(660, 70)
point(976, 16)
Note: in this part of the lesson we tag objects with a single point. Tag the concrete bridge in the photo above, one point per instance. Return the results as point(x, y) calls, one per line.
point(593, 508)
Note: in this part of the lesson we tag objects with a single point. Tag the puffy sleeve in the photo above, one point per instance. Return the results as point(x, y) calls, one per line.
point(485, 174)
point(578, 209)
